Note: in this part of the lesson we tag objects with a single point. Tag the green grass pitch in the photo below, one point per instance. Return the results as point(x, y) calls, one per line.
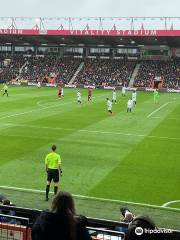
point(128, 156)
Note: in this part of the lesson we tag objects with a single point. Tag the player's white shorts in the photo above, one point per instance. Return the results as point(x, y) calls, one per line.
point(79, 99)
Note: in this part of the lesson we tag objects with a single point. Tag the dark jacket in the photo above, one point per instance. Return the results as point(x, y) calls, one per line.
point(50, 226)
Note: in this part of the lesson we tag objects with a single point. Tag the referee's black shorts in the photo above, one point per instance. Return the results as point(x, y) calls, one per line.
point(53, 174)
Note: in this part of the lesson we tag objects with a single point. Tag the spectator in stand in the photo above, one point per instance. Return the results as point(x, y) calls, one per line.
point(126, 217)
point(137, 229)
point(7, 219)
point(4, 199)
point(60, 222)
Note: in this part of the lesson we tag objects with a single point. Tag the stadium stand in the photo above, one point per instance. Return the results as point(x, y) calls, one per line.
point(95, 71)
point(98, 228)
point(10, 66)
point(106, 72)
point(42, 68)
point(167, 71)
point(37, 68)
point(99, 72)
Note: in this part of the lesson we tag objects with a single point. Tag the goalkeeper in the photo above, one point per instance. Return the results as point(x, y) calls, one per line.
point(156, 96)
point(53, 169)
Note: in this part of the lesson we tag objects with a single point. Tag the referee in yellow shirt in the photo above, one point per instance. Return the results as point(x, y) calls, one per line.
point(53, 169)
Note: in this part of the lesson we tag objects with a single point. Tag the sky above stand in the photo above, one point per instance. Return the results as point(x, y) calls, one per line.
point(89, 8)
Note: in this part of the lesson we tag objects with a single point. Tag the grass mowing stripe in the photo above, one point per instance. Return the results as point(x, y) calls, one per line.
point(92, 131)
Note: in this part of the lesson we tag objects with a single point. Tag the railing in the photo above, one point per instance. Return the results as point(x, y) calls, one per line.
point(14, 228)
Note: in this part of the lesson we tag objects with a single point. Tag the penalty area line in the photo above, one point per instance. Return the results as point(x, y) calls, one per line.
point(33, 110)
point(92, 198)
point(164, 105)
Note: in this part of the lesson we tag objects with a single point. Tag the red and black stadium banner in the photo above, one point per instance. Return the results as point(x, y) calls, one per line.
point(125, 33)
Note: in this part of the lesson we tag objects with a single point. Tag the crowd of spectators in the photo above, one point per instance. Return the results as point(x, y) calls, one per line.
point(95, 71)
point(167, 72)
point(42, 68)
point(10, 66)
point(106, 72)
point(37, 68)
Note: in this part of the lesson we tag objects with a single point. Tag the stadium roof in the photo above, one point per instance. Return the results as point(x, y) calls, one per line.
point(111, 31)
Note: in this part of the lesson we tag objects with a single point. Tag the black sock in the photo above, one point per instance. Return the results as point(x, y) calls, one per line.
point(55, 190)
point(47, 191)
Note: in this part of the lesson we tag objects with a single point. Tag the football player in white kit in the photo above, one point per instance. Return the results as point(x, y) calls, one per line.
point(123, 91)
point(79, 97)
point(134, 97)
point(39, 84)
point(114, 97)
point(62, 92)
point(109, 106)
point(129, 105)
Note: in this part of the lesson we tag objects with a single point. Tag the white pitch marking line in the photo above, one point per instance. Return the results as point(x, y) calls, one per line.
point(34, 110)
point(156, 117)
point(170, 118)
point(169, 203)
point(148, 116)
point(51, 104)
point(90, 197)
point(39, 104)
point(92, 131)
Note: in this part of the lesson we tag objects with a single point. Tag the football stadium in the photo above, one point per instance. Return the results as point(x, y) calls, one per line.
point(106, 93)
